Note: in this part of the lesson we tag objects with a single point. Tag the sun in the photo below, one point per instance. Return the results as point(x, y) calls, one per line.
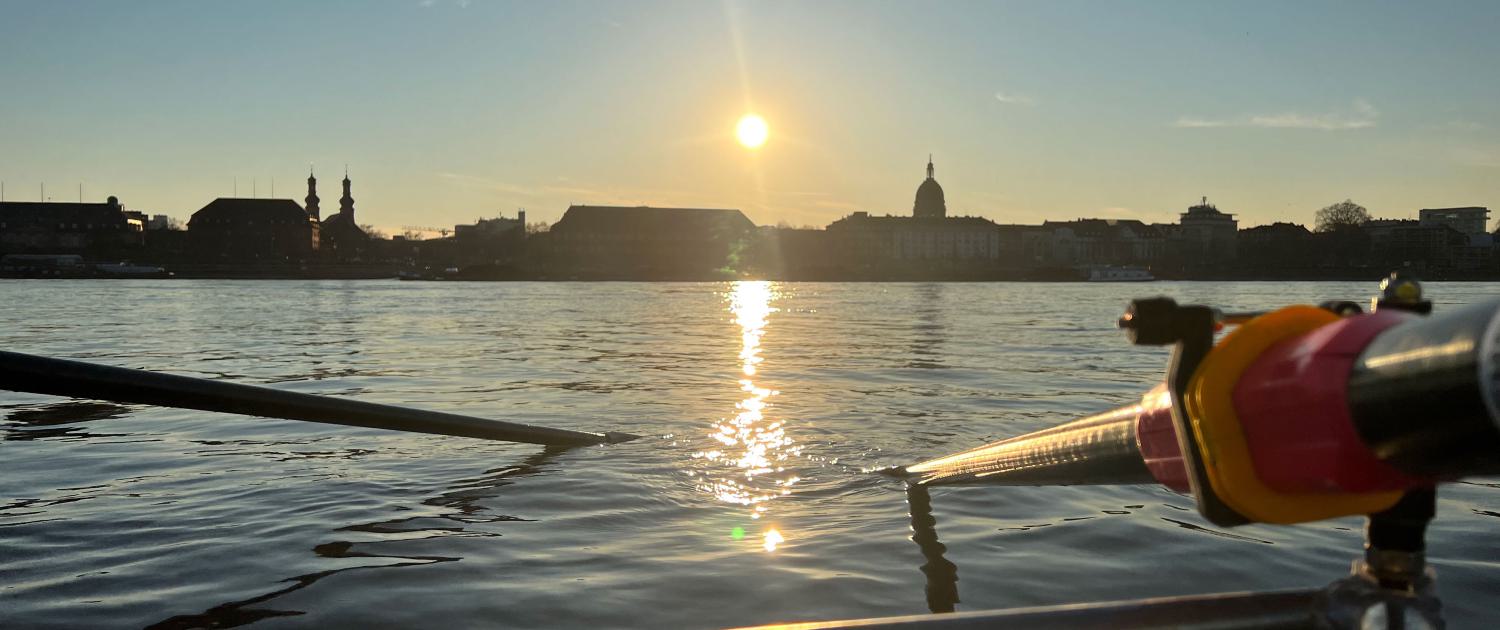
point(752, 131)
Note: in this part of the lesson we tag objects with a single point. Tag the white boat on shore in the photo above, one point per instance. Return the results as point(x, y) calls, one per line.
point(127, 270)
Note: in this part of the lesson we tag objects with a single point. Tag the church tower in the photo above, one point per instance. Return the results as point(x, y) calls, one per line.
point(312, 196)
point(929, 203)
point(346, 203)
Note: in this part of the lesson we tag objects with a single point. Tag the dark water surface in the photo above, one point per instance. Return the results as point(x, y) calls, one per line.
point(747, 502)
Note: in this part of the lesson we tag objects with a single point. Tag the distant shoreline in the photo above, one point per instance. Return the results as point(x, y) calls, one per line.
point(1332, 278)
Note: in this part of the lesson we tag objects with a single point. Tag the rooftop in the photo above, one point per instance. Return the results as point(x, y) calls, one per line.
point(242, 209)
point(647, 218)
point(1099, 228)
point(865, 219)
point(61, 212)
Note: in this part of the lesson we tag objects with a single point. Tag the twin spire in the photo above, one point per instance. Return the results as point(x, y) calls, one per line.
point(346, 203)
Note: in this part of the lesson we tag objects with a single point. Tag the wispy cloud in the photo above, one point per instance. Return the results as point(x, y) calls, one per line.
point(796, 193)
point(1363, 115)
point(490, 184)
point(835, 205)
point(1014, 99)
point(1147, 216)
point(1187, 122)
point(1460, 125)
point(566, 192)
point(1477, 157)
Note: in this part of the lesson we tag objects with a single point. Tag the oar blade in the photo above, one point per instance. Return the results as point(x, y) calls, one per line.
point(77, 379)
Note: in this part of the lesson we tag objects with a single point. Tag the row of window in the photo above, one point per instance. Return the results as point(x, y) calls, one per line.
point(69, 226)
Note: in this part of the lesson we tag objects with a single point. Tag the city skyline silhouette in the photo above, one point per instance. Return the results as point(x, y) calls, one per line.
point(448, 111)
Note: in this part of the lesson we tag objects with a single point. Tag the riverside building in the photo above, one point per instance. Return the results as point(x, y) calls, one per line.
point(66, 228)
point(1469, 220)
point(231, 229)
point(341, 238)
point(646, 242)
point(277, 230)
point(1104, 242)
point(926, 238)
point(1207, 235)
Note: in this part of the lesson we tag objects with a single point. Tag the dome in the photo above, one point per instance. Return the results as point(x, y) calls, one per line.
point(929, 203)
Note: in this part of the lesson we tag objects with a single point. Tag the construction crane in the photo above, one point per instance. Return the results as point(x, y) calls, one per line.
point(419, 228)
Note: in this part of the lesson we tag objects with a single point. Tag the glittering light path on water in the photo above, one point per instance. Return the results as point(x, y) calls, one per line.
point(749, 464)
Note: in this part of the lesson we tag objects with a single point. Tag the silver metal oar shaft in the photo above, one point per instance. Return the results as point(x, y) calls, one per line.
point(1098, 449)
point(76, 379)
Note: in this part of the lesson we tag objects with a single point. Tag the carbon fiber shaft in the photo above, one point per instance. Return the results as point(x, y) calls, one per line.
point(76, 379)
point(1096, 450)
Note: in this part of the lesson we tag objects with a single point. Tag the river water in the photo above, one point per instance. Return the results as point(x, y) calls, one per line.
point(764, 406)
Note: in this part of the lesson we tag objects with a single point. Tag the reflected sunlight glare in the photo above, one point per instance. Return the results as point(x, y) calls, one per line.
point(772, 539)
point(749, 463)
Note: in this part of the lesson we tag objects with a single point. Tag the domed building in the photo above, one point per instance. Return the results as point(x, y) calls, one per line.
point(930, 203)
point(928, 239)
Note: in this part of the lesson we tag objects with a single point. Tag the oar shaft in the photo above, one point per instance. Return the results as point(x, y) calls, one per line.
point(76, 379)
point(1098, 449)
point(1289, 403)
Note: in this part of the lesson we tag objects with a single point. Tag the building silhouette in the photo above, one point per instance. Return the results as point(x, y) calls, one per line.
point(929, 203)
point(1278, 246)
point(489, 248)
point(312, 197)
point(1409, 243)
point(645, 242)
point(233, 229)
point(927, 239)
point(238, 237)
point(796, 253)
point(491, 228)
point(252, 230)
point(871, 240)
point(1090, 242)
point(342, 240)
point(67, 228)
point(1469, 220)
point(1207, 235)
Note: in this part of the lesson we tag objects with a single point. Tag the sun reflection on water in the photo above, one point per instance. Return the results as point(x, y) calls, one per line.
point(772, 538)
point(749, 464)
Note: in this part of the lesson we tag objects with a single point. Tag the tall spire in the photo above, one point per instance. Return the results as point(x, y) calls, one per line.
point(346, 203)
point(929, 166)
point(312, 196)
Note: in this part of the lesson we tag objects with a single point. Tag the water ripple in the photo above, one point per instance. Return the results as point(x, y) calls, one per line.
point(768, 404)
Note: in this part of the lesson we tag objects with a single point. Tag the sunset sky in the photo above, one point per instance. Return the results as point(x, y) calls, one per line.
point(448, 110)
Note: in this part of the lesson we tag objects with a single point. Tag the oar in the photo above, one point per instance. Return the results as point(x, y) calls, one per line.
point(76, 379)
point(1098, 449)
point(1364, 404)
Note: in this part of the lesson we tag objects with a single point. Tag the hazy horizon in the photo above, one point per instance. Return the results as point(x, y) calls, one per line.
point(446, 111)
